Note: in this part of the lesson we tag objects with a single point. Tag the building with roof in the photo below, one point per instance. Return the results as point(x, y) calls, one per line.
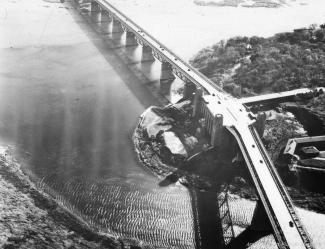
point(306, 153)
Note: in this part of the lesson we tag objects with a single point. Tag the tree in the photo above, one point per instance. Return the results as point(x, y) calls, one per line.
point(283, 62)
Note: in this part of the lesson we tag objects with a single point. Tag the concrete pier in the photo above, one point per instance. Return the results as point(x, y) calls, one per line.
point(117, 27)
point(147, 55)
point(189, 90)
point(105, 22)
point(166, 77)
point(217, 131)
point(260, 221)
point(197, 101)
point(130, 40)
point(260, 124)
point(95, 7)
point(95, 12)
point(117, 32)
point(105, 18)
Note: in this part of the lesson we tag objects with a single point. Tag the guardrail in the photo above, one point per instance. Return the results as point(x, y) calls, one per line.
point(187, 73)
point(281, 188)
point(161, 51)
point(280, 235)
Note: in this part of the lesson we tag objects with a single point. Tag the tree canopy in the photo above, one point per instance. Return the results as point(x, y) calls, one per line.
point(258, 65)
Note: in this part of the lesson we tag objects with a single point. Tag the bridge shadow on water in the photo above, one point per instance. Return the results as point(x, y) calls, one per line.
point(259, 228)
point(207, 222)
point(208, 208)
point(208, 227)
point(213, 216)
point(111, 50)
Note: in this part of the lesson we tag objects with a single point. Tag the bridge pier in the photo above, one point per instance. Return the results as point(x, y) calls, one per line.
point(208, 229)
point(166, 77)
point(132, 48)
point(259, 228)
point(189, 90)
point(217, 131)
point(105, 22)
point(94, 6)
point(260, 124)
point(117, 27)
point(147, 55)
point(260, 221)
point(117, 31)
point(130, 40)
point(197, 101)
point(268, 184)
point(105, 18)
point(95, 12)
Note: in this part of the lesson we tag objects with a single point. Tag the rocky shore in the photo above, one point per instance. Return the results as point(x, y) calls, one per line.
point(279, 127)
point(307, 119)
point(151, 158)
point(204, 170)
point(29, 218)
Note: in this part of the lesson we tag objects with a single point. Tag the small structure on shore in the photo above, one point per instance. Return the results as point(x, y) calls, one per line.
point(307, 153)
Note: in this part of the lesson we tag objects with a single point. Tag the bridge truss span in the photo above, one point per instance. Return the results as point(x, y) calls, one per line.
point(162, 53)
point(288, 230)
point(232, 114)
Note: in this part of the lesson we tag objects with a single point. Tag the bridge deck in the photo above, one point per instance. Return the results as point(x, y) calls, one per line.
point(277, 96)
point(238, 120)
point(167, 54)
point(271, 191)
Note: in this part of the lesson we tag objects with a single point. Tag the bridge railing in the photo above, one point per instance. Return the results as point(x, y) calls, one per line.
point(282, 189)
point(185, 70)
point(236, 115)
point(301, 237)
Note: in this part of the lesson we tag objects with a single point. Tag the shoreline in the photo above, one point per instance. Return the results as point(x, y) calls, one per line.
point(32, 218)
point(205, 25)
point(241, 206)
point(168, 173)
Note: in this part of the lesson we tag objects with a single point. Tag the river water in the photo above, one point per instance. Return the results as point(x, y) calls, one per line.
point(173, 22)
point(68, 107)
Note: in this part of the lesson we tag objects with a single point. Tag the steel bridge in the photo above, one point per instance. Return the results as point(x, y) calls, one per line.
point(225, 113)
point(280, 97)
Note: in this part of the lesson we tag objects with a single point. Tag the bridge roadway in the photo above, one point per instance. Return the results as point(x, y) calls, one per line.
point(272, 97)
point(288, 231)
